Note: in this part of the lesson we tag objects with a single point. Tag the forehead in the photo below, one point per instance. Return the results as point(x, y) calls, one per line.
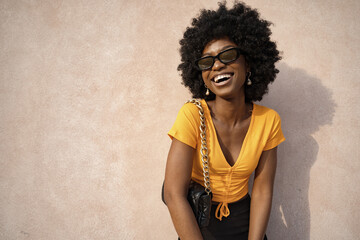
point(217, 45)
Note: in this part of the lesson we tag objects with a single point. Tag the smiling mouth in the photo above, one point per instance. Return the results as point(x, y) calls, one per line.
point(222, 77)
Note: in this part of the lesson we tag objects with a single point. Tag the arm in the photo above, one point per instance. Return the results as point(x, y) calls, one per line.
point(177, 179)
point(262, 192)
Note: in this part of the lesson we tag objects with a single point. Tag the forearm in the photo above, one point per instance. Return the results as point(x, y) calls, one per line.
point(183, 219)
point(259, 214)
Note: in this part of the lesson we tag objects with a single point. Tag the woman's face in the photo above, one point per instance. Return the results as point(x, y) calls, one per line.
point(225, 80)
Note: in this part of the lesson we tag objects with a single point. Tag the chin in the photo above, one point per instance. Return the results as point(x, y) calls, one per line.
point(228, 93)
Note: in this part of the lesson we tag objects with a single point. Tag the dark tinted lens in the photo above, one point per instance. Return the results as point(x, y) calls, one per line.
point(205, 62)
point(229, 55)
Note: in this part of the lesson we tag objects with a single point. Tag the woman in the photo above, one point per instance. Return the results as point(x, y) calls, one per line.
point(227, 61)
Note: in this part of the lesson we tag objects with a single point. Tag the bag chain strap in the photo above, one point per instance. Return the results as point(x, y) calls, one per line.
point(203, 149)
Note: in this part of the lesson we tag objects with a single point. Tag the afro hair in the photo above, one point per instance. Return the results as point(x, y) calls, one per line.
point(247, 30)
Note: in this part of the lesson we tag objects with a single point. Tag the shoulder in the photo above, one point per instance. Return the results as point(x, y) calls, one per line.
point(188, 113)
point(266, 113)
point(190, 110)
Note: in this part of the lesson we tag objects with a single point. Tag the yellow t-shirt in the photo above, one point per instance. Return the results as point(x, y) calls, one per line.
point(228, 183)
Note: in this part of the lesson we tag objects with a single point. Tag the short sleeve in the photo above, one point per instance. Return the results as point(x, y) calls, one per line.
point(276, 135)
point(185, 128)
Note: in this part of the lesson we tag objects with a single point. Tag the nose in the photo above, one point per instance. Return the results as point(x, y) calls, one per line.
point(217, 64)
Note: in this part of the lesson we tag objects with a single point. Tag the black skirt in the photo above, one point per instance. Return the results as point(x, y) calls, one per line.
point(233, 227)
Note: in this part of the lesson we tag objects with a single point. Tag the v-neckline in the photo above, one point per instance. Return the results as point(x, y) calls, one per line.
point(208, 113)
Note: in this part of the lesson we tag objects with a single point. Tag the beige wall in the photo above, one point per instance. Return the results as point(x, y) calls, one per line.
point(90, 88)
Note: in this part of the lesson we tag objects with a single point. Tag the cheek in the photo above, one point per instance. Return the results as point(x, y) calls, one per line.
point(241, 69)
point(205, 76)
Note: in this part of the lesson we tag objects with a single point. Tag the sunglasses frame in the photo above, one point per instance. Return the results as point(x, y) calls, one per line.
point(238, 50)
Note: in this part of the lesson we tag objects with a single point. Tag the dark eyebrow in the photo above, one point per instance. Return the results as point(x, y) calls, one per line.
point(222, 49)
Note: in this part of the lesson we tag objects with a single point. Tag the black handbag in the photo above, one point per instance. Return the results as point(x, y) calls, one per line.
point(200, 202)
point(199, 197)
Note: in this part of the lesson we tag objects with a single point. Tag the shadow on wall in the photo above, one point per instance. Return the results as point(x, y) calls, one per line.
point(304, 105)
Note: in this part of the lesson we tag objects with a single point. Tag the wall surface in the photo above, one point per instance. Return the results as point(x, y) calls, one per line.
point(88, 90)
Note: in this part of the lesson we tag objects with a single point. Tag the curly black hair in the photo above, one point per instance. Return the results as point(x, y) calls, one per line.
point(247, 30)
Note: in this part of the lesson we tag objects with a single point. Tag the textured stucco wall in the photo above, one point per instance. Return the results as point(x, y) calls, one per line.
point(88, 90)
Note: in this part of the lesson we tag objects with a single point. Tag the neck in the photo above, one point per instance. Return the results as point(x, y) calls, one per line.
point(231, 111)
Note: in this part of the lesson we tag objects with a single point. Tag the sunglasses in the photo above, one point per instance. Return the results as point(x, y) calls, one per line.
point(226, 56)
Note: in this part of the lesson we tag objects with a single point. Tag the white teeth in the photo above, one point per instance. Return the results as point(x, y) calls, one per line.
point(218, 77)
